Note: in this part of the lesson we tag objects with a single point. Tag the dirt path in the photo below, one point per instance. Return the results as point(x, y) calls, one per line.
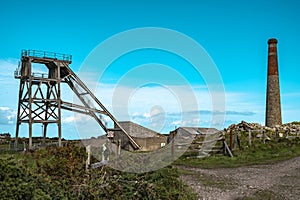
point(275, 181)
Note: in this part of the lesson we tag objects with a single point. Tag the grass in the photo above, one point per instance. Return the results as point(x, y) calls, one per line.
point(205, 179)
point(164, 182)
point(258, 153)
point(263, 194)
point(60, 173)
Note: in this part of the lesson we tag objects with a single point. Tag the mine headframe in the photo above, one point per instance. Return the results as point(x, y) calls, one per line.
point(40, 95)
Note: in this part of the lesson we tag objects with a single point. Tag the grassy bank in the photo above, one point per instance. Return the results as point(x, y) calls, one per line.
point(258, 153)
point(59, 173)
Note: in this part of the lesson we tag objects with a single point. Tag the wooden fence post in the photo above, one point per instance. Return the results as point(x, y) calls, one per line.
point(172, 144)
point(230, 142)
point(249, 137)
point(234, 140)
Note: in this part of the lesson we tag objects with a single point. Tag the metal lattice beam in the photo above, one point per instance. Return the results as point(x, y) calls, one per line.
point(38, 105)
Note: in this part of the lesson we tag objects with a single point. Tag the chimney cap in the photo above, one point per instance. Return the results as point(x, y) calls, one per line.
point(272, 41)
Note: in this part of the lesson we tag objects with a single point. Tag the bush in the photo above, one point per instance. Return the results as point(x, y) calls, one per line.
point(17, 183)
point(59, 173)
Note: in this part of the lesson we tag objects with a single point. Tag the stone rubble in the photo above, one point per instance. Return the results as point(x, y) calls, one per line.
point(285, 130)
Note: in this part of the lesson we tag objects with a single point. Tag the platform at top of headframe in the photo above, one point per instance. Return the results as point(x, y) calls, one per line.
point(50, 59)
point(47, 55)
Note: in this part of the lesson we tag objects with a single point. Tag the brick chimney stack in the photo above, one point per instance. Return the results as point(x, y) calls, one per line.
point(273, 106)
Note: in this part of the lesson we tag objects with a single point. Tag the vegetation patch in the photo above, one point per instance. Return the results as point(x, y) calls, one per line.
point(60, 173)
point(207, 180)
point(257, 153)
point(262, 194)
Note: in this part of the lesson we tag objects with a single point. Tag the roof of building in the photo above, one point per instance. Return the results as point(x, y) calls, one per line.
point(138, 131)
point(198, 130)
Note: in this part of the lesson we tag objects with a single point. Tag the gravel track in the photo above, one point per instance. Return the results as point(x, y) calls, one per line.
point(272, 181)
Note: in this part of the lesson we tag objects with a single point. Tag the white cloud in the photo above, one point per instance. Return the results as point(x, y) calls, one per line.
point(176, 123)
point(76, 118)
point(7, 116)
point(146, 115)
point(178, 105)
point(4, 109)
point(69, 119)
point(7, 67)
point(138, 105)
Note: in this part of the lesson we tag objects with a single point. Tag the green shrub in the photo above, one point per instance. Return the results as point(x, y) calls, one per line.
point(59, 173)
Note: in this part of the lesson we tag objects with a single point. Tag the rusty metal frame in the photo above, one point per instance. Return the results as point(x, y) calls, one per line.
point(38, 106)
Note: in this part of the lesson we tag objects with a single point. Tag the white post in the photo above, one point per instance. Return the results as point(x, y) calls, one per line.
point(104, 151)
point(119, 148)
point(88, 160)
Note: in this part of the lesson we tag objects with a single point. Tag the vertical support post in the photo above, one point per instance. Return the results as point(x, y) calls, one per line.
point(172, 143)
point(230, 142)
point(18, 114)
point(44, 132)
point(59, 104)
point(109, 147)
point(249, 137)
point(237, 139)
point(30, 110)
point(46, 113)
point(105, 151)
point(119, 147)
point(88, 161)
point(264, 136)
point(17, 132)
point(223, 141)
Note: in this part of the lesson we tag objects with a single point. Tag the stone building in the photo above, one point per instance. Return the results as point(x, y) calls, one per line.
point(148, 139)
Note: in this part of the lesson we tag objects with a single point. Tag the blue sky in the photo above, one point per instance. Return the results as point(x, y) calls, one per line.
point(234, 33)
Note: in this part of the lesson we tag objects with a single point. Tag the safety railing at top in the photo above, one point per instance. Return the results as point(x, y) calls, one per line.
point(18, 71)
point(17, 74)
point(45, 54)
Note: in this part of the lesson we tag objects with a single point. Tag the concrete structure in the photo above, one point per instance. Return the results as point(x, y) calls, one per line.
point(147, 139)
point(273, 106)
point(190, 133)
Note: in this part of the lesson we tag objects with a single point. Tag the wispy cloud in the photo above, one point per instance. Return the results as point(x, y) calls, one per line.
point(229, 112)
point(164, 122)
point(163, 107)
point(7, 67)
point(159, 107)
point(7, 116)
